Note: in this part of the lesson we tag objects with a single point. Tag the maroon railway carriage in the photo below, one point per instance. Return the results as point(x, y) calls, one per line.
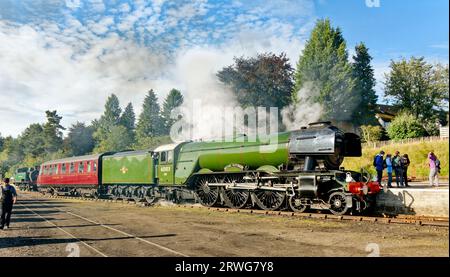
point(75, 176)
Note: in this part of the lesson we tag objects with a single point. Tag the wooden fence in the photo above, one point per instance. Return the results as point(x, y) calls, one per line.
point(378, 144)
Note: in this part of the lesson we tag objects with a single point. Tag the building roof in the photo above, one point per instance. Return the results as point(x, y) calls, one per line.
point(74, 159)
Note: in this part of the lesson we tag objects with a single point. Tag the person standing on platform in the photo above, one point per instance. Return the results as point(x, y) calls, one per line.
point(405, 162)
point(8, 199)
point(396, 164)
point(379, 165)
point(434, 164)
point(388, 163)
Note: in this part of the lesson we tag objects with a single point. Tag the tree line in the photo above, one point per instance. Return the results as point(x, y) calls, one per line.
point(345, 88)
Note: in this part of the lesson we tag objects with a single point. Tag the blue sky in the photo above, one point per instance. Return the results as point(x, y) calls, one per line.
point(70, 55)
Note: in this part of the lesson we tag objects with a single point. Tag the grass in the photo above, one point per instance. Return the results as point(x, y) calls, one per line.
point(417, 152)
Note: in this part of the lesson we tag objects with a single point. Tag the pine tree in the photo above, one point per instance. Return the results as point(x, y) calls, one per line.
point(109, 119)
point(52, 132)
point(150, 123)
point(128, 118)
point(174, 99)
point(363, 73)
point(324, 65)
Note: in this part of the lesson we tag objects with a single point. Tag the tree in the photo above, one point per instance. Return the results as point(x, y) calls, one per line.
point(109, 119)
point(79, 140)
point(127, 119)
point(174, 99)
point(33, 140)
point(264, 81)
point(404, 126)
point(52, 132)
point(364, 112)
point(371, 133)
point(150, 122)
point(324, 65)
point(417, 87)
point(2, 142)
point(119, 139)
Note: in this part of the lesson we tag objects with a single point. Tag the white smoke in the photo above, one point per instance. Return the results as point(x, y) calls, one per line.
point(305, 110)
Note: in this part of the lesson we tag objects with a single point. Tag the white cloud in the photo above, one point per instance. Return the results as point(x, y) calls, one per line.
point(74, 67)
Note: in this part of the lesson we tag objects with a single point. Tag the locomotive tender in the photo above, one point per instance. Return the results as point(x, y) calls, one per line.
point(296, 169)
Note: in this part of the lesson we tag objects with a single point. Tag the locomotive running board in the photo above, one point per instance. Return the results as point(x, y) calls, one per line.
point(252, 186)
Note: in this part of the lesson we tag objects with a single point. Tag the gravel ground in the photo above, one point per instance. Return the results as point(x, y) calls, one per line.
point(174, 231)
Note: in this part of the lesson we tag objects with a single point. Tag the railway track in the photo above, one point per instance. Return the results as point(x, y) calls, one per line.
point(82, 241)
point(398, 219)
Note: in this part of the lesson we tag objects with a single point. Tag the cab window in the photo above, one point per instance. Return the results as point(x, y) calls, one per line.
point(169, 156)
point(163, 157)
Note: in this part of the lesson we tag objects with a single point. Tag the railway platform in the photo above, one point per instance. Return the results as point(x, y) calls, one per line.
point(418, 199)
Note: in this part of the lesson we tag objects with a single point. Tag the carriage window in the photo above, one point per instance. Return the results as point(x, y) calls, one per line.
point(169, 156)
point(95, 167)
point(72, 168)
point(45, 170)
point(50, 170)
point(88, 166)
point(80, 167)
point(63, 168)
point(163, 157)
point(56, 168)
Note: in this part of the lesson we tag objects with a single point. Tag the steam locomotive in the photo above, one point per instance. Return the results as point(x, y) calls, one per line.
point(294, 170)
point(25, 178)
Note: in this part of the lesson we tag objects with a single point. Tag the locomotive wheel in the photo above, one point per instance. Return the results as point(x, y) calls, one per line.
point(138, 194)
point(235, 198)
point(208, 196)
point(296, 205)
point(338, 203)
point(268, 199)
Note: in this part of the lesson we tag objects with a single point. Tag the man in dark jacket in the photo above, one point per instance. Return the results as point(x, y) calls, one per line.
point(8, 197)
point(379, 166)
point(397, 165)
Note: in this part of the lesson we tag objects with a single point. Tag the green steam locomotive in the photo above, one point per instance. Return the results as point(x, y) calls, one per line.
point(296, 170)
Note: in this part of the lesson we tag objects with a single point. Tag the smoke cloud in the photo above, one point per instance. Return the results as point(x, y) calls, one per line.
point(305, 110)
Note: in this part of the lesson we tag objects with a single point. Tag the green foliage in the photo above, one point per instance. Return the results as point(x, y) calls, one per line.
point(118, 139)
point(364, 112)
point(150, 123)
point(33, 141)
point(109, 119)
point(417, 87)
point(371, 133)
point(324, 64)
point(127, 119)
point(152, 142)
point(174, 99)
point(405, 126)
point(53, 137)
point(417, 152)
point(264, 81)
point(80, 140)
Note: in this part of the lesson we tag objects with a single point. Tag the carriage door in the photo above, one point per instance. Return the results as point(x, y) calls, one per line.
point(165, 168)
